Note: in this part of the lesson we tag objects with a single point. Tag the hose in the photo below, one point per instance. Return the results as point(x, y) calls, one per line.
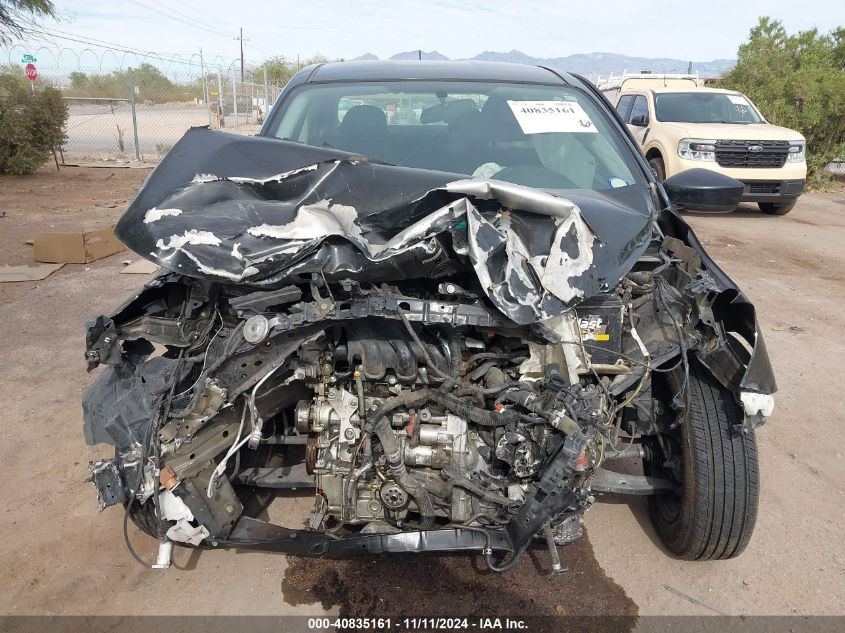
point(513, 562)
point(482, 417)
point(400, 474)
point(461, 481)
point(455, 357)
point(406, 399)
point(428, 359)
point(359, 388)
point(478, 415)
point(526, 399)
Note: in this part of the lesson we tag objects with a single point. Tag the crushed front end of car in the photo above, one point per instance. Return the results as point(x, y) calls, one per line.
point(444, 364)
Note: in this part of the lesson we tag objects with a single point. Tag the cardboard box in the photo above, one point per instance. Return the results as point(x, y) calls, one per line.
point(76, 247)
point(27, 273)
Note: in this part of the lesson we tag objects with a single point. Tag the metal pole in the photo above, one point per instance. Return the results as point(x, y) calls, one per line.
point(134, 116)
point(235, 95)
point(220, 94)
point(205, 91)
point(241, 38)
point(266, 95)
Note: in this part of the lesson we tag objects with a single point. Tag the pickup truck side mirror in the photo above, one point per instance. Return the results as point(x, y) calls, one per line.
point(704, 190)
point(639, 120)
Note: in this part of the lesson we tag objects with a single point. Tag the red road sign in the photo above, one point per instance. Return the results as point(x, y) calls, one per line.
point(31, 72)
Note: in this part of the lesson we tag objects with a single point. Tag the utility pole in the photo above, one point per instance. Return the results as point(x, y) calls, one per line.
point(206, 92)
point(241, 38)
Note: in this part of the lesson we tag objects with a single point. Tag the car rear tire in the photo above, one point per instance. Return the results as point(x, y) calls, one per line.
point(658, 168)
point(777, 208)
point(713, 515)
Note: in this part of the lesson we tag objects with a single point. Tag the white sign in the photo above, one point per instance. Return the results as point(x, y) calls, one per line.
point(540, 117)
point(738, 100)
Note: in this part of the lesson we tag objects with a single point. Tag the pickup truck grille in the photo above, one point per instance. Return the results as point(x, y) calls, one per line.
point(739, 154)
point(762, 187)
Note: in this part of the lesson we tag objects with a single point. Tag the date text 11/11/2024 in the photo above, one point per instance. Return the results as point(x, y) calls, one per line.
point(417, 624)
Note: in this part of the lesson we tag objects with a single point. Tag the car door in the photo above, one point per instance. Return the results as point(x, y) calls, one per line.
point(638, 119)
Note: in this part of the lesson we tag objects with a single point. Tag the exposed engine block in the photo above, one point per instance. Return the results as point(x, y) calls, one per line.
point(364, 366)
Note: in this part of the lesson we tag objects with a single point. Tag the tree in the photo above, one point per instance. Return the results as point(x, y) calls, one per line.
point(78, 79)
point(280, 69)
point(152, 85)
point(15, 15)
point(797, 81)
point(31, 123)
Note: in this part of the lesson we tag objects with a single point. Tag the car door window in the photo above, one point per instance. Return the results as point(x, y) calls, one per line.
point(639, 110)
point(624, 106)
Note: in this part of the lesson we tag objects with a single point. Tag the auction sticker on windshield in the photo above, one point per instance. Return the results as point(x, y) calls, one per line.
point(540, 117)
point(738, 100)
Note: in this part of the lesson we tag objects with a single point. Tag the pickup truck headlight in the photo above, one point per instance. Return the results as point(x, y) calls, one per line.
point(697, 149)
point(797, 152)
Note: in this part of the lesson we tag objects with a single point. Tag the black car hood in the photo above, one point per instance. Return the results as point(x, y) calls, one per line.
point(256, 211)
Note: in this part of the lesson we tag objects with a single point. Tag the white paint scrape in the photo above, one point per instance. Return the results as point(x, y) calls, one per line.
point(157, 214)
point(276, 178)
point(191, 236)
point(249, 271)
point(560, 267)
point(204, 178)
point(313, 221)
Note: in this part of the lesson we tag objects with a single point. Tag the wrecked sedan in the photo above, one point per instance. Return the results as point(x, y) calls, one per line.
point(442, 299)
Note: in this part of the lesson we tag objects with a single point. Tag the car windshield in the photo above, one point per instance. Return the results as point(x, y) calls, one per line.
point(704, 107)
point(551, 137)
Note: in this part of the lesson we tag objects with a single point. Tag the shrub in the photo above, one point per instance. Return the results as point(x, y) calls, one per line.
point(797, 81)
point(31, 123)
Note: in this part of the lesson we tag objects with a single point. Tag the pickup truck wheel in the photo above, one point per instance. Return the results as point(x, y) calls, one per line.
point(777, 208)
point(712, 516)
point(658, 168)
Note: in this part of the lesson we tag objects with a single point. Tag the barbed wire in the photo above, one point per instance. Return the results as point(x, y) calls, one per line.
point(103, 57)
point(117, 115)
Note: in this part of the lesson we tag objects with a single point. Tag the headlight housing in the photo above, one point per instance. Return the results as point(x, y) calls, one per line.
point(797, 152)
point(697, 149)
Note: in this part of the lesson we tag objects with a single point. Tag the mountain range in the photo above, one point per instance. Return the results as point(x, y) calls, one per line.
point(586, 64)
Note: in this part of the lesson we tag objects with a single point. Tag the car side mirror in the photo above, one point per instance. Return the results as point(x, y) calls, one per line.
point(640, 120)
point(704, 190)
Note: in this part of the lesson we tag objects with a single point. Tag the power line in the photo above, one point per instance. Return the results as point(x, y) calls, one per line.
point(44, 34)
point(193, 18)
point(37, 31)
point(176, 18)
point(195, 8)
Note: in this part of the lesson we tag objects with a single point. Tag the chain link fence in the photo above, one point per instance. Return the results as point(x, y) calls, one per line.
point(127, 107)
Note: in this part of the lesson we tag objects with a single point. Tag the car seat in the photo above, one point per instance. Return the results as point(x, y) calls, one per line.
point(364, 131)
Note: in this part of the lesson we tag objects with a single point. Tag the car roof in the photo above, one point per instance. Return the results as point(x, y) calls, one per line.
point(436, 70)
point(699, 89)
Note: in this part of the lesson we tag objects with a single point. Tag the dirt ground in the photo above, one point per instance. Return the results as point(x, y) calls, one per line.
point(61, 556)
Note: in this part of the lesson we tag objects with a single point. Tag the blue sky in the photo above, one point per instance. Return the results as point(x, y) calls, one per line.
point(699, 31)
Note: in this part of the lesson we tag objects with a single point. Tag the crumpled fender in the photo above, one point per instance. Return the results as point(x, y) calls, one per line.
point(740, 317)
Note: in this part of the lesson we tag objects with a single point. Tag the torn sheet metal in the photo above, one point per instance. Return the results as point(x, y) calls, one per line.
point(261, 212)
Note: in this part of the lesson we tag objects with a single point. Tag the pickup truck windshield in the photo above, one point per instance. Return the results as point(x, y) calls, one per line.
point(551, 137)
point(704, 107)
